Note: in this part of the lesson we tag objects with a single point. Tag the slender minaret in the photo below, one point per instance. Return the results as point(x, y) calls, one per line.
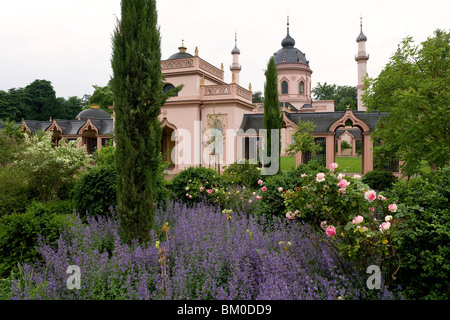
point(235, 67)
point(361, 60)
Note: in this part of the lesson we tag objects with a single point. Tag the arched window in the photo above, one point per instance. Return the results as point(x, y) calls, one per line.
point(169, 86)
point(301, 87)
point(284, 87)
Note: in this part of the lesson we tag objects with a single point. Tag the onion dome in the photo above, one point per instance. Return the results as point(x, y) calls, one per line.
point(361, 36)
point(289, 54)
point(235, 49)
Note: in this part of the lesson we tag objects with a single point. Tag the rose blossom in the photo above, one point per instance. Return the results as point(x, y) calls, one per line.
point(358, 220)
point(263, 189)
point(331, 231)
point(290, 215)
point(392, 207)
point(280, 189)
point(385, 226)
point(343, 183)
point(187, 188)
point(323, 225)
point(209, 191)
point(380, 197)
point(340, 176)
point(201, 189)
point(370, 195)
point(260, 181)
point(303, 175)
point(342, 190)
point(333, 166)
point(372, 209)
point(320, 177)
point(356, 176)
point(388, 218)
point(254, 193)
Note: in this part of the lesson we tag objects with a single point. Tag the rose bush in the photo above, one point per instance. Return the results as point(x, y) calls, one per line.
point(361, 225)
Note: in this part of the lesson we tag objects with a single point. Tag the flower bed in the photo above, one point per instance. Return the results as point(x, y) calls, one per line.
point(201, 252)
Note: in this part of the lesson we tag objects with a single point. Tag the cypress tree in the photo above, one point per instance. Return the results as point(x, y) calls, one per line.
point(272, 118)
point(137, 87)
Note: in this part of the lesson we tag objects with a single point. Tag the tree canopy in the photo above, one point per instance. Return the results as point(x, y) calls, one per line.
point(413, 89)
point(343, 96)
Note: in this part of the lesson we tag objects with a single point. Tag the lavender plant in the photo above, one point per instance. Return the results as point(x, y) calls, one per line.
point(208, 254)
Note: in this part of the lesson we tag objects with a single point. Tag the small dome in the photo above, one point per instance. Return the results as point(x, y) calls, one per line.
point(288, 41)
point(182, 54)
point(361, 36)
point(93, 113)
point(235, 50)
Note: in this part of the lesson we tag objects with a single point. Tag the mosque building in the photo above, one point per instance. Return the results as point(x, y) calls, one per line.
point(208, 102)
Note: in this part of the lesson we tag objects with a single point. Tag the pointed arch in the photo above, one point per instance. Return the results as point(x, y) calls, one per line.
point(349, 116)
point(88, 126)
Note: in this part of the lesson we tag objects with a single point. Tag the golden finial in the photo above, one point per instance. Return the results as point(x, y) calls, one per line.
point(203, 80)
point(196, 51)
point(233, 78)
point(347, 106)
point(221, 66)
point(250, 87)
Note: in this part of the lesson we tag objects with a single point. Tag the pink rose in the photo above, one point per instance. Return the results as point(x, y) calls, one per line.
point(250, 201)
point(320, 177)
point(356, 176)
point(187, 188)
point(370, 195)
point(260, 181)
point(380, 197)
point(342, 190)
point(372, 209)
point(385, 226)
point(340, 176)
point(392, 207)
point(290, 215)
point(343, 183)
point(254, 193)
point(303, 175)
point(209, 191)
point(280, 189)
point(201, 189)
point(331, 231)
point(333, 166)
point(190, 197)
point(258, 197)
point(358, 220)
point(263, 189)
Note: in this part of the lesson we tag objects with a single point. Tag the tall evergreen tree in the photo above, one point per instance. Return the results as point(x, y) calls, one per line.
point(137, 87)
point(273, 117)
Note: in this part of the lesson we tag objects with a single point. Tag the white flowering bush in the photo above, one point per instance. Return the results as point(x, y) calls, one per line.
point(49, 168)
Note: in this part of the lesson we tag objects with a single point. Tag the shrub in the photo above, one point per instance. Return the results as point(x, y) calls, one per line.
point(242, 174)
point(425, 272)
point(345, 145)
point(95, 191)
point(14, 190)
point(379, 180)
point(205, 177)
point(19, 233)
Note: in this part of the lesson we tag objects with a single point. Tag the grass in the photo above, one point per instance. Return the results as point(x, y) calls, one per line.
point(349, 164)
point(346, 164)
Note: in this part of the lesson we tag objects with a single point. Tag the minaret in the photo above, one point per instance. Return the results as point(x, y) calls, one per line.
point(235, 67)
point(361, 60)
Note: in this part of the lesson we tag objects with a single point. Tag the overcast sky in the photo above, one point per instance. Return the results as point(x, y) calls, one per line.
point(68, 42)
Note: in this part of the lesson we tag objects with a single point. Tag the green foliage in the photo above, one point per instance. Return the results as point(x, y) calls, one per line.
point(103, 97)
point(48, 168)
point(303, 139)
point(137, 87)
point(425, 246)
point(19, 232)
point(413, 91)
point(14, 190)
point(11, 142)
point(273, 117)
point(95, 191)
point(257, 97)
point(379, 180)
point(343, 96)
point(106, 156)
point(345, 145)
point(202, 176)
point(242, 174)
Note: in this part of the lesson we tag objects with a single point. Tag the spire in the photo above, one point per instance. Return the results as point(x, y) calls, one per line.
point(182, 48)
point(235, 49)
point(288, 41)
point(361, 36)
